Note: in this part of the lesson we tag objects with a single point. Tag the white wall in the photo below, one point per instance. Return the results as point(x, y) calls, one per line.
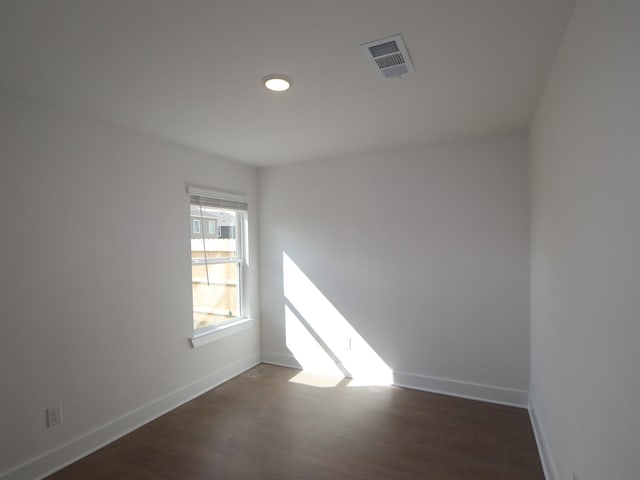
point(423, 251)
point(95, 288)
point(585, 262)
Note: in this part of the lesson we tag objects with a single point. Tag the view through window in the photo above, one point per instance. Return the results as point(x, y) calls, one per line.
point(217, 261)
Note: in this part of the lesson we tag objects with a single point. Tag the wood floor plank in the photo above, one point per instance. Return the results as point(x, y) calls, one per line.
point(260, 425)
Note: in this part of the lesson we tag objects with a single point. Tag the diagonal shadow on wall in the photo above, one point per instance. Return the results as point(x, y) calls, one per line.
point(320, 337)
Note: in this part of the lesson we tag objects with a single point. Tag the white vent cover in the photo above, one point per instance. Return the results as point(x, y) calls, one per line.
point(389, 56)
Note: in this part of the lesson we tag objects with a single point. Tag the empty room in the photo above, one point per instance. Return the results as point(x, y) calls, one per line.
point(337, 239)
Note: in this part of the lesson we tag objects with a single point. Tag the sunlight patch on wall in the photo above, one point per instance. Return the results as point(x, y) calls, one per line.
point(308, 352)
point(319, 336)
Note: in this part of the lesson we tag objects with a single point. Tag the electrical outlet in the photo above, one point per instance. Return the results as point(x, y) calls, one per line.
point(54, 416)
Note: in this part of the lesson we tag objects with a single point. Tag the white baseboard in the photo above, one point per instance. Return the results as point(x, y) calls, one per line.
point(280, 359)
point(53, 460)
point(456, 388)
point(548, 465)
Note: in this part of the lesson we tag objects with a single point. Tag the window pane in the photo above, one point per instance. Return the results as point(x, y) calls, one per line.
point(217, 300)
point(216, 264)
point(219, 239)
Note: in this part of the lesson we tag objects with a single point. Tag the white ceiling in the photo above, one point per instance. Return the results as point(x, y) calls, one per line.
point(190, 70)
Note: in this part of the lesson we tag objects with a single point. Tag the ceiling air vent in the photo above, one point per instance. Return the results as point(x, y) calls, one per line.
point(389, 56)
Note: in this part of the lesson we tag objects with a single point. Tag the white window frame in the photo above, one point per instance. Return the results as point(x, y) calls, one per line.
point(239, 203)
point(211, 226)
point(196, 226)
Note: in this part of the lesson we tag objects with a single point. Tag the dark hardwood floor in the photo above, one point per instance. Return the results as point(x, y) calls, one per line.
point(261, 426)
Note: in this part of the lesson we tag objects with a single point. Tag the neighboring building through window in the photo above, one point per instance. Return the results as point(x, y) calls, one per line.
point(218, 259)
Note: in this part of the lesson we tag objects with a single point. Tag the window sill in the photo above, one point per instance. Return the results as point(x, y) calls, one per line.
point(221, 332)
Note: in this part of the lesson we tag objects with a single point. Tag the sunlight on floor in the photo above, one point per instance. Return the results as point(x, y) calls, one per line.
point(321, 339)
point(314, 379)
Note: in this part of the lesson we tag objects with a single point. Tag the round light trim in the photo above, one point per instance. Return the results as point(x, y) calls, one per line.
point(277, 83)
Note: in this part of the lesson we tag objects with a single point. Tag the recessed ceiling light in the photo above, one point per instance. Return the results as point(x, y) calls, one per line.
point(277, 83)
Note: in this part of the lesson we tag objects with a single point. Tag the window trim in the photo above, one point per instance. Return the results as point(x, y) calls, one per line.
point(222, 330)
point(239, 203)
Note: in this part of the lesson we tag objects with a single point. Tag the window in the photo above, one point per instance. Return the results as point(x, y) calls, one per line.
point(218, 262)
point(196, 226)
point(227, 231)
